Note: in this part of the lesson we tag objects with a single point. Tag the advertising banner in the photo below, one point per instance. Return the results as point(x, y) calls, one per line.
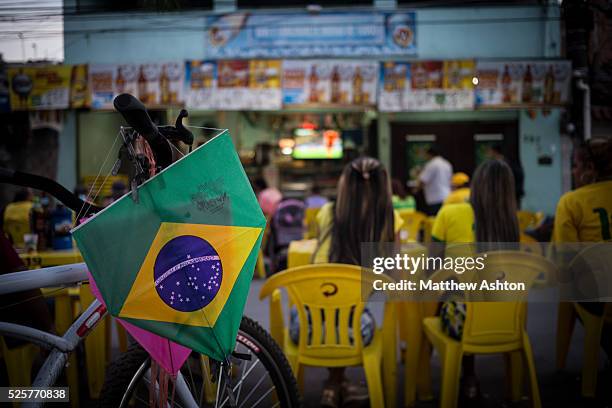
point(233, 84)
point(302, 34)
point(79, 87)
point(156, 85)
point(426, 86)
point(325, 82)
point(40, 88)
point(521, 83)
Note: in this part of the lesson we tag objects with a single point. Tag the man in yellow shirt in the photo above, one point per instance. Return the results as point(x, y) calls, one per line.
point(454, 224)
point(585, 214)
point(17, 217)
point(460, 185)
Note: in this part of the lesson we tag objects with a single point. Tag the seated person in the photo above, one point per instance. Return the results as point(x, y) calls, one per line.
point(363, 212)
point(268, 197)
point(315, 199)
point(17, 217)
point(460, 189)
point(401, 199)
point(583, 215)
point(488, 218)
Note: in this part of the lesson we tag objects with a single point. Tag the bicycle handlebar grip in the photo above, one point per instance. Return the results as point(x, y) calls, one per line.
point(136, 115)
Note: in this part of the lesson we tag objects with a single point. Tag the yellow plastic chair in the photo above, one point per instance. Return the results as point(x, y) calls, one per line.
point(260, 266)
point(596, 258)
point(18, 363)
point(427, 227)
point(491, 327)
point(413, 224)
point(63, 320)
point(17, 221)
point(300, 252)
point(96, 347)
point(593, 325)
point(330, 293)
point(410, 315)
point(311, 226)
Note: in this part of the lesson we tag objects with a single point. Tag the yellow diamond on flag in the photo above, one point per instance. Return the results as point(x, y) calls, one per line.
point(189, 273)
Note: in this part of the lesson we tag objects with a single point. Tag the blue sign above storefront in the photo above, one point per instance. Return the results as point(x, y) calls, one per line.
point(337, 34)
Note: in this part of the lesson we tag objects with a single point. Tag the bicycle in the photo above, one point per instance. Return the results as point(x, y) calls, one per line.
point(128, 377)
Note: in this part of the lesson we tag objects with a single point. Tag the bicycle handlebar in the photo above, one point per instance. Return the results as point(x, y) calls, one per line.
point(52, 187)
point(136, 115)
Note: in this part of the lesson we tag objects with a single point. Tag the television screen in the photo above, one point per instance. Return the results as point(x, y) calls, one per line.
point(317, 144)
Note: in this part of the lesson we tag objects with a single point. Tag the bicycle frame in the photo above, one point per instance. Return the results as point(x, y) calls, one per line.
point(61, 347)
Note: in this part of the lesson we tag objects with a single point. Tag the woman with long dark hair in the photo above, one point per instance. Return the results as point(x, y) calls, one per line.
point(490, 218)
point(362, 212)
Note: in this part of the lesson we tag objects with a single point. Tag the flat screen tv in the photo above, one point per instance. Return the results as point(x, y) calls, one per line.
point(317, 144)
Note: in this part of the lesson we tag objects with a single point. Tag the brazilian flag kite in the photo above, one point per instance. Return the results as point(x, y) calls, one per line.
point(179, 261)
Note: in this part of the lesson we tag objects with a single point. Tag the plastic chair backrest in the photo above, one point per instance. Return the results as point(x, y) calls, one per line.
point(329, 301)
point(413, 223)
point(489, 323)
point(427, 228)
point(530, 244)
point(591, 271)
point(311, 227)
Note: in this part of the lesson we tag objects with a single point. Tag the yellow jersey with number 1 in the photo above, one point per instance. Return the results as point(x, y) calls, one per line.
point(585, 214)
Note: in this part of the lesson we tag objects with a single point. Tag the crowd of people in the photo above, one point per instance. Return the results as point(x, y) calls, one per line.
point(483, 209)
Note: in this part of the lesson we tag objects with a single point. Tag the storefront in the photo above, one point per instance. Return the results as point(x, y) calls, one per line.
point(249, 78)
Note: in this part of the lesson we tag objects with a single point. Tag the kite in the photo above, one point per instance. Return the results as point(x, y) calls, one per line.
point(178, 261)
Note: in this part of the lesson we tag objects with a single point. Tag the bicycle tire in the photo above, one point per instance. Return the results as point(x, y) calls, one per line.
point(122, 372)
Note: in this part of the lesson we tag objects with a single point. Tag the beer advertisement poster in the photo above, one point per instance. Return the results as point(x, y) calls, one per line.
point(233, 84)
point(522, 83)
point(40, 87)
point(329, 83)
point(155, 84)
point(427, 86)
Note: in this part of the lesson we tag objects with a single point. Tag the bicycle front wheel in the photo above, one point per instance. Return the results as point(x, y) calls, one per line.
point(262, 379)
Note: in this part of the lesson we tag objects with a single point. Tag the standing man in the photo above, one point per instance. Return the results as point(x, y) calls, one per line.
point(496, 152)
point(435, 180)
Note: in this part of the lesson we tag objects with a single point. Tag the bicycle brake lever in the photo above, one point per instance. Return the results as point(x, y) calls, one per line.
point(185, 133)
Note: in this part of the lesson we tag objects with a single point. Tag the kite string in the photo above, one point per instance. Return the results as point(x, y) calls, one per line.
point(88, 200)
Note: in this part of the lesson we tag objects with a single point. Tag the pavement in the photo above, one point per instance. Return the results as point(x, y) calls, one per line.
point(558, 388)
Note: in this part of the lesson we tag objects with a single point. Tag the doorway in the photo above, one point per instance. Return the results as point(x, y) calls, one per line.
point(463, 144)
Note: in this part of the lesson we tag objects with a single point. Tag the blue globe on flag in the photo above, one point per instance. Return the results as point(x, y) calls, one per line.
point(187, 273)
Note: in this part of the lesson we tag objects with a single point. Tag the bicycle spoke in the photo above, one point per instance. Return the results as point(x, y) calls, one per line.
point(219, 392)
point(241, 381)
point(243, 375)
point(246, 374)
point(262, 397)
point(252, 391)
